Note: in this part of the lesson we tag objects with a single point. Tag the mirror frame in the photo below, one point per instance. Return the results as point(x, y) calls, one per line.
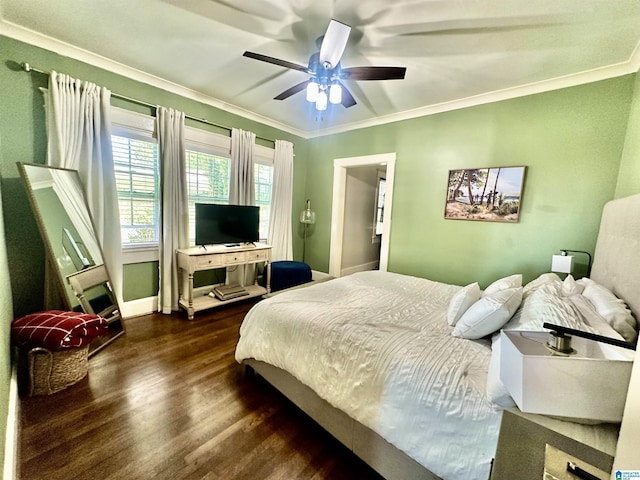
point(58, 290)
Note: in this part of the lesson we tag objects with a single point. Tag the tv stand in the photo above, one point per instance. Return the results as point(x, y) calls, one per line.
point(191, 260)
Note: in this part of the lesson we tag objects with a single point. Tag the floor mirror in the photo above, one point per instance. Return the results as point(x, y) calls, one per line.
point(77, 278)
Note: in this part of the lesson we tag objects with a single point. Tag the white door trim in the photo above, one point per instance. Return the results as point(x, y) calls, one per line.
point(340, 166)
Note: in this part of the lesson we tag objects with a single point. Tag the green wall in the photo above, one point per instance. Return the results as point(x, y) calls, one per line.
point(6, 315)
point(22, 131)
point(22, 126)
point(629, 176)
point(570, 140)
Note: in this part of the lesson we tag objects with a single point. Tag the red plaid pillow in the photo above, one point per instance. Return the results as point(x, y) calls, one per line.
point(56, 329)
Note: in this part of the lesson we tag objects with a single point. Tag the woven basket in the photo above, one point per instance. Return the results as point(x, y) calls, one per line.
point(52, 371)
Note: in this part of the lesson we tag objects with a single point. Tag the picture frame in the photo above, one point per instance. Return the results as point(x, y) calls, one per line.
point(491, 194)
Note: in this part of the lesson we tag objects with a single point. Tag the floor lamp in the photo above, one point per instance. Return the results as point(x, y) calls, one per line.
point(307, 217)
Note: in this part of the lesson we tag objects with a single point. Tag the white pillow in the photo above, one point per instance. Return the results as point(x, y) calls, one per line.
point(461, 301)
point(512, 281)
point(496, 392)
point(611, 308)
point(488, 314)
point(571, 287)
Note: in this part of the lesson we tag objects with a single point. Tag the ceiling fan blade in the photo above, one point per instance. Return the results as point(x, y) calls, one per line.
point(373, 73)
point(334, 43)
point(475, 26)
point(292, 91)
point(347, 98)
point(276, 61)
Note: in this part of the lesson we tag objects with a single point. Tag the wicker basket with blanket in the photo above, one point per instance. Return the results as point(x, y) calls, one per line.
point(55, 348)
point(52, 371)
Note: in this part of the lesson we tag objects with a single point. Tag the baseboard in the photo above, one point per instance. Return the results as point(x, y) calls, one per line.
point(316, 275)
point(145, 306)
point(141, 306)
point(360, 268)
point(11, 440)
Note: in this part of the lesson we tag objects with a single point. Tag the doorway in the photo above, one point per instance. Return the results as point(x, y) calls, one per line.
point(340, 206)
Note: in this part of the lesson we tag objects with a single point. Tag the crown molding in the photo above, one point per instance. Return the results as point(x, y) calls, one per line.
point(34, 38)
point(31, 37)
point(634, 59)
point(604, 73)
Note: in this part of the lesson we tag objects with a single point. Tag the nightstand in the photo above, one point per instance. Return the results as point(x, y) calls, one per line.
point(526, 438)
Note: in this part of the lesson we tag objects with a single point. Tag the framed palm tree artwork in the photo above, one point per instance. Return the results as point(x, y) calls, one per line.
point(485, 194)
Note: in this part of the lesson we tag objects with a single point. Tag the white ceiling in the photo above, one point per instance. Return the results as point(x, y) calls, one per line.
point(457, 52)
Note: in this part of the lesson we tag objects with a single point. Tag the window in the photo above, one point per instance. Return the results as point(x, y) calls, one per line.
point(208, 164)
point(209, 171)
point(207, 182)
point(263, 179)
point(137, 180)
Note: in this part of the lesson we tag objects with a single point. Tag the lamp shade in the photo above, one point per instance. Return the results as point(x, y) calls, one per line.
point(562, 263)
point(543, 383)
point(308, 216)
point(321, 100)
point(335, 94)
point(312, 91)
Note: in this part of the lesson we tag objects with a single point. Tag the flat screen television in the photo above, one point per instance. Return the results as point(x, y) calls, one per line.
point(223, 224)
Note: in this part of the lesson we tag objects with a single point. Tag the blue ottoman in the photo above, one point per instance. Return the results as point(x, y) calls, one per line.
point(288, 273)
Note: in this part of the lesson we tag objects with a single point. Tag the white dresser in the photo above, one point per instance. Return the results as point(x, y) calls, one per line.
point(195, 259)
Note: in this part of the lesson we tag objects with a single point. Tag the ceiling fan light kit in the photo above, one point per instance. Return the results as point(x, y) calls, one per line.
point(317, 93)
point(324, 86)
point(321, 101)
point(312, 90)
point(335, 94)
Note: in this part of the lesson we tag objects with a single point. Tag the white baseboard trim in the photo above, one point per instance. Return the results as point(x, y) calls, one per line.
point(141, 306)
point(145, 306)
point(359, 268)
point(13, 428)
point(316, 275)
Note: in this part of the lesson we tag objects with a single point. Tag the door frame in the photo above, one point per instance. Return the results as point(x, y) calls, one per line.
point(340, 166)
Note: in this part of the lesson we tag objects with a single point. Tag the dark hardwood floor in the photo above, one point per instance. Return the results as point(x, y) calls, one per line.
point(168, 400)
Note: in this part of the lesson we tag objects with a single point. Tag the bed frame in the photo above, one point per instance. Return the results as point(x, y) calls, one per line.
point(383, 457)
point(618, 247)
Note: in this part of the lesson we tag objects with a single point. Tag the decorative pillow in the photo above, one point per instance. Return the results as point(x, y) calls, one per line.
point(611, 308)
point(571, 287)
point(496, 392)
point(461, 301)
point(57, 329)
point(488, 314)
point(512, 281)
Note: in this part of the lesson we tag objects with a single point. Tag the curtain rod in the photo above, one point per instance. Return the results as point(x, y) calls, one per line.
point(27, 67)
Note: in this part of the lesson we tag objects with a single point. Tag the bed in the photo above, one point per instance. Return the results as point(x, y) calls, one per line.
point(402, 370)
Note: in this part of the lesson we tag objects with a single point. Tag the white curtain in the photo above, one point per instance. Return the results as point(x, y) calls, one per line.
point(79, 138)
point(242, 189)
point(174, 227)
point(281, 202)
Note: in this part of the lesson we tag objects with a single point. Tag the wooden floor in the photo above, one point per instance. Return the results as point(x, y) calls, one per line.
point(167, 400)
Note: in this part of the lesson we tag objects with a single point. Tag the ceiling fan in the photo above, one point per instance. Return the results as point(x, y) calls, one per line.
point(326, 74)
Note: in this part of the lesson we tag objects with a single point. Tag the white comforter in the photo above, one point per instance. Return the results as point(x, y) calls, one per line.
point(377, 346)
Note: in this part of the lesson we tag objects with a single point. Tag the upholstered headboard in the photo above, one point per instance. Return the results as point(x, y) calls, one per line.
point(616, 263)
